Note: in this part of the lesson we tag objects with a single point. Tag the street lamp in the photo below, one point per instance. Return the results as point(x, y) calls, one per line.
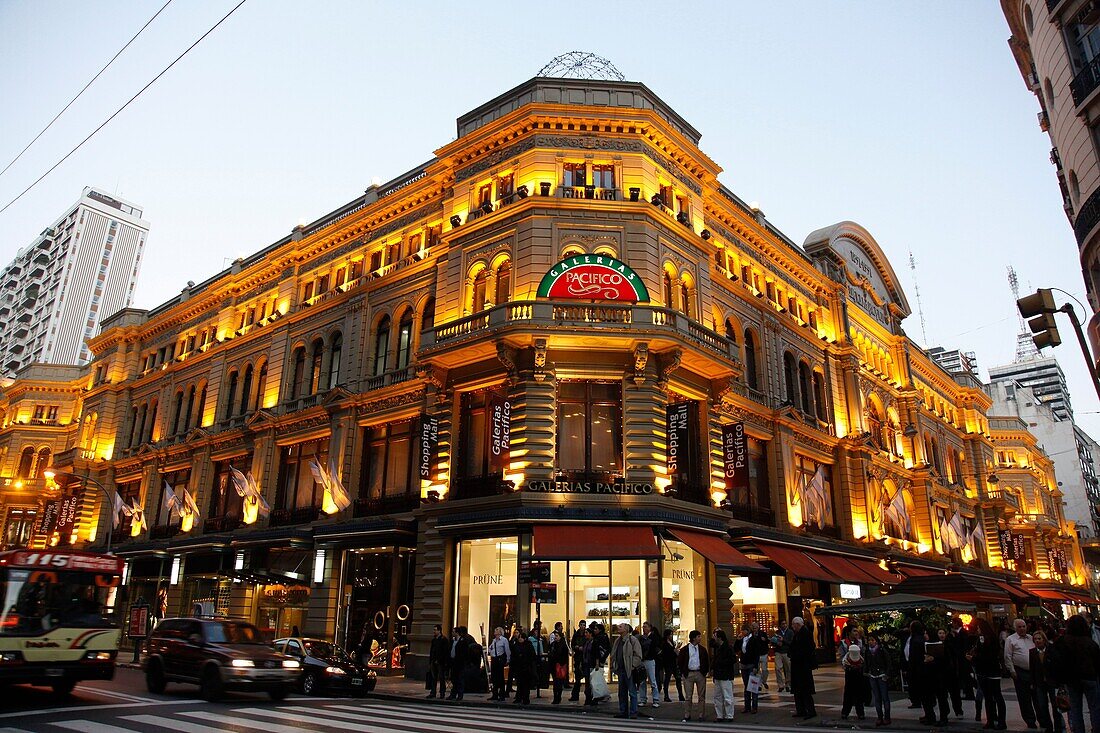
point(51, 474)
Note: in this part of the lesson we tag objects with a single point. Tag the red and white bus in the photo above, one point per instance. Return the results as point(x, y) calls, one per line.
point(54, 630)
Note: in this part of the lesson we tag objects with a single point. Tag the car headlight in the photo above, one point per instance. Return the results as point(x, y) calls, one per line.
point(291, 664)
point(334, 670)
point(11, 657)
point(99, 656)
point(243, 663)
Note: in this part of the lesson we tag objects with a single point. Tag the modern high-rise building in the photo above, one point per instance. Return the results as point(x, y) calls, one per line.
point(1057, 49)
point(954, 360)
point(82, 266)
point(1045, 378)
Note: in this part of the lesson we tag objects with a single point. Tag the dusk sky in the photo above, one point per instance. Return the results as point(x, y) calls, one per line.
point(910, 119)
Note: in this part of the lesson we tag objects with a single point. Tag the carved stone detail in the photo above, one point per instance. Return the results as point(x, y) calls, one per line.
point(540, 360)
point(668, 362)
point(641, 358)
point(508, 356)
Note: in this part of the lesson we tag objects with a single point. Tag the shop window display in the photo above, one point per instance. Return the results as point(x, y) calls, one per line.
point(378, 584)
point(488, 574)
point(683, 590)
point(752, 603)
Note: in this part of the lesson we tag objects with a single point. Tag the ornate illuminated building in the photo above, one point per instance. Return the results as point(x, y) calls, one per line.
point(558, 354)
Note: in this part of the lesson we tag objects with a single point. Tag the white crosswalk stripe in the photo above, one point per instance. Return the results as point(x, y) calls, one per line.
point(90, 726)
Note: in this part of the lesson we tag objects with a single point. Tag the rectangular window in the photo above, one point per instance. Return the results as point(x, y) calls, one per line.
point(177, 480)
point(667, 197)
point(393, 252)
point(816, 498)
point(129, 492)
point(413, 245)
point(322, 284)
point(603, 176)
point(474, 460)
point(590, 428)
point(388, 462)
point(485, 194)
point(297, 489)
point(341, 277)
point(375, 260)
point(356, 270)
point(505, 186)
point(574, 175)
point(307, 291)
point(224, 500)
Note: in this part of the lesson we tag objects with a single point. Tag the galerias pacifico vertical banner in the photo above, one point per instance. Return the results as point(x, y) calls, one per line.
point(500, 432)
point(429, 440)
point(735, 455)
point(66, 518)
point(678, 433)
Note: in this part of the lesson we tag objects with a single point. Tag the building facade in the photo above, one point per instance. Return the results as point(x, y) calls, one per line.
point(563, 373)
point(1056, 45)
point(55, 291)
point(1044, 377)
point(954, 360)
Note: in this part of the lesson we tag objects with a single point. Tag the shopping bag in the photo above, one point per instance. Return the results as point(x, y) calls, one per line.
point(755, 685)
point(561, 671)
point(600, 690)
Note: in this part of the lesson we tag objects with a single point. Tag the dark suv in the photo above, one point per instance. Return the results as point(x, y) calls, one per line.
point(217, 655)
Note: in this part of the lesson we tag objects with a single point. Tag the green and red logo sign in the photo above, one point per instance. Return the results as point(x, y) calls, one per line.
point(593, 277)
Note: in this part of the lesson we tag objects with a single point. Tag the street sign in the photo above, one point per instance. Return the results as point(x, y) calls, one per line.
point(531, 571)
point(544, 593)
point(138, 622)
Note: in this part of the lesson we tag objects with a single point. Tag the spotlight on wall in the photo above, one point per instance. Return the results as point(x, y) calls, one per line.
point(522, 192)
point(993, 479)
point(910, 430)
point(705, 234)
point(635, 194)
point(455, 221)
point(487, 207)
point(656, 200)
point(433, 497)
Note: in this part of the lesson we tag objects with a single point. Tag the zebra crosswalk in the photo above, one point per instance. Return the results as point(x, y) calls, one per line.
point(371, 716)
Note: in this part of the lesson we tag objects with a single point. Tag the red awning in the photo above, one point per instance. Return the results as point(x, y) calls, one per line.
point(593, 542)
point(1017, 593)
point(872, 568)
point(1050, 595)
point(799, 563)
point(1082, 599)
point(717, 550)
point(843, 567)
point(911, 571)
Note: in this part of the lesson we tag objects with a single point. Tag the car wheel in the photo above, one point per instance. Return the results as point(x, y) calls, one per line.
point(309, 684)
point(154, 678)
point(211, 686)
point(279, 693)
point(63, 687)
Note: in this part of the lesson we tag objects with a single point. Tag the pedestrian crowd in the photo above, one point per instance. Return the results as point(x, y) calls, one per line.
point(1055, 670)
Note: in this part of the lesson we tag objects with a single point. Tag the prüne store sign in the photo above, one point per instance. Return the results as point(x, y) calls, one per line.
point(593, 277)
point(587, 486)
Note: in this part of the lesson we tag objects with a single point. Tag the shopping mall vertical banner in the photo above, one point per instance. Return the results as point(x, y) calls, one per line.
point(735, 456)
point(678, 428)
point(500, 432)
point(429, 441)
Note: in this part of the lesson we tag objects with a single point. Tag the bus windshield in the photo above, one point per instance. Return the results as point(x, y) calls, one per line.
point(38, 601)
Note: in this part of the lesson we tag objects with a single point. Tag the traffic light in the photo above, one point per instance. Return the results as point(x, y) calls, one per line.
point(1040, 309)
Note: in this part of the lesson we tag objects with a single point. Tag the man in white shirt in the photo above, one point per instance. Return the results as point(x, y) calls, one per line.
point(500, 655)
point(1018, 648)
point(694, 663)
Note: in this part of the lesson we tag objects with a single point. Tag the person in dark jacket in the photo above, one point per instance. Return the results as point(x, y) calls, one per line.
point(803, 662)
point(524, 668)
point(961, 643)
point(576, 645)
point(557, 657)
point(589, 662)
point(439, 658)
point(876, 667)
point(1079, 671)
point(953, 680)
point(924, 675)
point(854, 682)
point(1043, 688)
point(749, 648)
point(669, 668)
point(457, 658)
point(939, 675)
point(723, 666)
point(985, 655)
point(651, 651)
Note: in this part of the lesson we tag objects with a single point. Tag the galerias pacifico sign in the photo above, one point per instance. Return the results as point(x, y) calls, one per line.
point(593, 277)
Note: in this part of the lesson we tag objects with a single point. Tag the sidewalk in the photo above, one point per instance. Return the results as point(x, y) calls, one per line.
point(775, 709)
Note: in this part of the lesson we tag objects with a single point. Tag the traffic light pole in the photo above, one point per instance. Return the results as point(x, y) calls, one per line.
point(1068, 310)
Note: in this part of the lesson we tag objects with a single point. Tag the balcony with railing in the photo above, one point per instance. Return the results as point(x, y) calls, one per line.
point(606, 318)
point(386, 379)
point(1008, 498)
point(378, 506)
point(164, 531)
point(290, 517)
point(220, 524)
point(590, 192)
point(752, 513)
point(1086, 81)
point(1088, 216)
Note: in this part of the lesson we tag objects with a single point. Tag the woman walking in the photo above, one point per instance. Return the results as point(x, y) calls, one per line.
point(669, 668)
point(985, 655)
point(876, 666)
point(1079, 671)
point(558, 659)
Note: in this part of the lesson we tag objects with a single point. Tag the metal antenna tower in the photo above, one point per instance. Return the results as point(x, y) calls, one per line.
point(916, 291)
point(1025, 347)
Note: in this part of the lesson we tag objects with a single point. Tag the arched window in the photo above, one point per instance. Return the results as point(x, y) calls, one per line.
point(751, 373)
point(246, 390)
point(261, 386)
point(135, 416)
point(42, 462)
point(666, 284)
point(821, 406)
point(685, 298)
point(26, 463)
point(804, 388)
point(404, 339)
point(381, 345)
point(317, 355)
point(299, 373)
point(1074, 188)
point(335, 355)
point(790, 374)
point(231, 393)
point(176, 422)
point(504, 282)
point(200, 406)
point(427, 318)
point(892, 431)
point(190, 409)
point(1029, 20)
point(874, 423)
point(1048, 94)
point(479, 300)
point(148, 426)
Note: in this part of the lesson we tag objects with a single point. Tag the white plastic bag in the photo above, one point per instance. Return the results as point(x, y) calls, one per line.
point(755, 684)
point(600, 690)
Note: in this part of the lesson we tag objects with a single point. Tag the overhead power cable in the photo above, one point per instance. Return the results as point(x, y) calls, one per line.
point(124, 106)
point(85, 88)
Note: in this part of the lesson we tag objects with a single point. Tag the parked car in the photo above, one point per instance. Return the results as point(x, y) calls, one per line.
point(326, 667)
point(217, 655)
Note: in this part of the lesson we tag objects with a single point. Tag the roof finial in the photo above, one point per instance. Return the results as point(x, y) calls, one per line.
point(581, 65)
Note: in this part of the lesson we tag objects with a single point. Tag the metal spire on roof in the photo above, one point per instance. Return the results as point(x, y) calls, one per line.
point(581, 65)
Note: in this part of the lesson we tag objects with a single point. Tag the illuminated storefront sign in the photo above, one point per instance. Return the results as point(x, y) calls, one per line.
point(500, 432)
point(429, 440)
point(735, 456)
point(569, 486)
point(678, 429)
point(850, 591)
point(593, 277)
